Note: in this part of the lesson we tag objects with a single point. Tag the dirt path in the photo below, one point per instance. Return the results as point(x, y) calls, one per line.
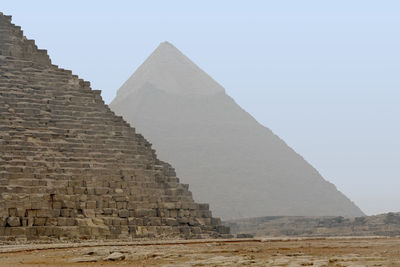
point(250, 252)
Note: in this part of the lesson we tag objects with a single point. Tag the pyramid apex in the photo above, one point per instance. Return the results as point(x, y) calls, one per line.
point(167, 46)
point(169, 70)
point(15, 44)
point(166, 43)
point(7, 17)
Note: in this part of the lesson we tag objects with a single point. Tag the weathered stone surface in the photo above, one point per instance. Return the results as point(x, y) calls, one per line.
point(116, 256)
point(71, 168)
point(14, 221)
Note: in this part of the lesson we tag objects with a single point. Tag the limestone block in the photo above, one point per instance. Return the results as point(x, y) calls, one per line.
point(70, 232)
point(90, 190)
point(68, 204)
point(98, 221)
point(121, 205)
point(3, 221)
point(7, 197)
point(100, 191)
point(3, 212)
point(24, 222)
point(173, 213)
point(39, 221)
point(123, 213)
point(205, 213)
point(116, 230)
point(70, 190)
point(99, 205)
point(85, 222)
point(12, 212)
point(83, 197)
point(65, 212)
point(82, 205)
point(89, 213)
point(30, 221)
point(183, 220)
point(84, 231)
point(203, 221)
point(145, 213)
point(215, 221)
point(108, 220)
point(173, 231)
point(141, 231)
point(116, 256)
point(18, 231)
point(116, 222)
point(12, 204)
point(132, 229)
point(131, 221)
point(121, 198)
point(108, 211)
point(51, 222)
point(45, 213)
point(62, 221)
point(162, 213)
point(71, 222)
point(171, 222)
point(154, 221)
point(44, 198)
point(189, 205)
point(79, 190)
point(57, 205)
point(196, 230)
point(169, 205)
point(204, 206)
point(14, 221)
point(185, 230)
point(55, 212)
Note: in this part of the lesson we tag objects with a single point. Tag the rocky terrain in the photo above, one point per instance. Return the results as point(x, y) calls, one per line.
point(230, 160)
point(322, 252)
point(379, 225)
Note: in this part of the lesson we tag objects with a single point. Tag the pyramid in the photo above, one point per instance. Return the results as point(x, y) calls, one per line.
point(241, 167)
point(71, 168)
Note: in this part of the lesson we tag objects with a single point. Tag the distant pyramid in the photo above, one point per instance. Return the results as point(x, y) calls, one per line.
point(239, 166)
point(69, 167)
point(167, 69)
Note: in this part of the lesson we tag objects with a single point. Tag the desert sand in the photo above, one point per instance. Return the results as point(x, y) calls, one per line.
point(349, 251)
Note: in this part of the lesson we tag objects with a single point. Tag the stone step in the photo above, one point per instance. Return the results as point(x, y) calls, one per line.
point(68, 161)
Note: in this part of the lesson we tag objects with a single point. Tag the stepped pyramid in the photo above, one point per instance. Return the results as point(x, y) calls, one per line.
point(71, 168)
point(228, 158)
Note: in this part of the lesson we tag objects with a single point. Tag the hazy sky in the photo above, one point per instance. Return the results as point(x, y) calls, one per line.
point(323, 75)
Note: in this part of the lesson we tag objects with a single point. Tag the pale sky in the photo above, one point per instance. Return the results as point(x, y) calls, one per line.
point(323, 75)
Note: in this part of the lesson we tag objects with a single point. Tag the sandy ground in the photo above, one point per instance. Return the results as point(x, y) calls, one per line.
point(251, 252)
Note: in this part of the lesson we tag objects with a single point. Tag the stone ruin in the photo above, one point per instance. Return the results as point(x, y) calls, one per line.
point(71, 169)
